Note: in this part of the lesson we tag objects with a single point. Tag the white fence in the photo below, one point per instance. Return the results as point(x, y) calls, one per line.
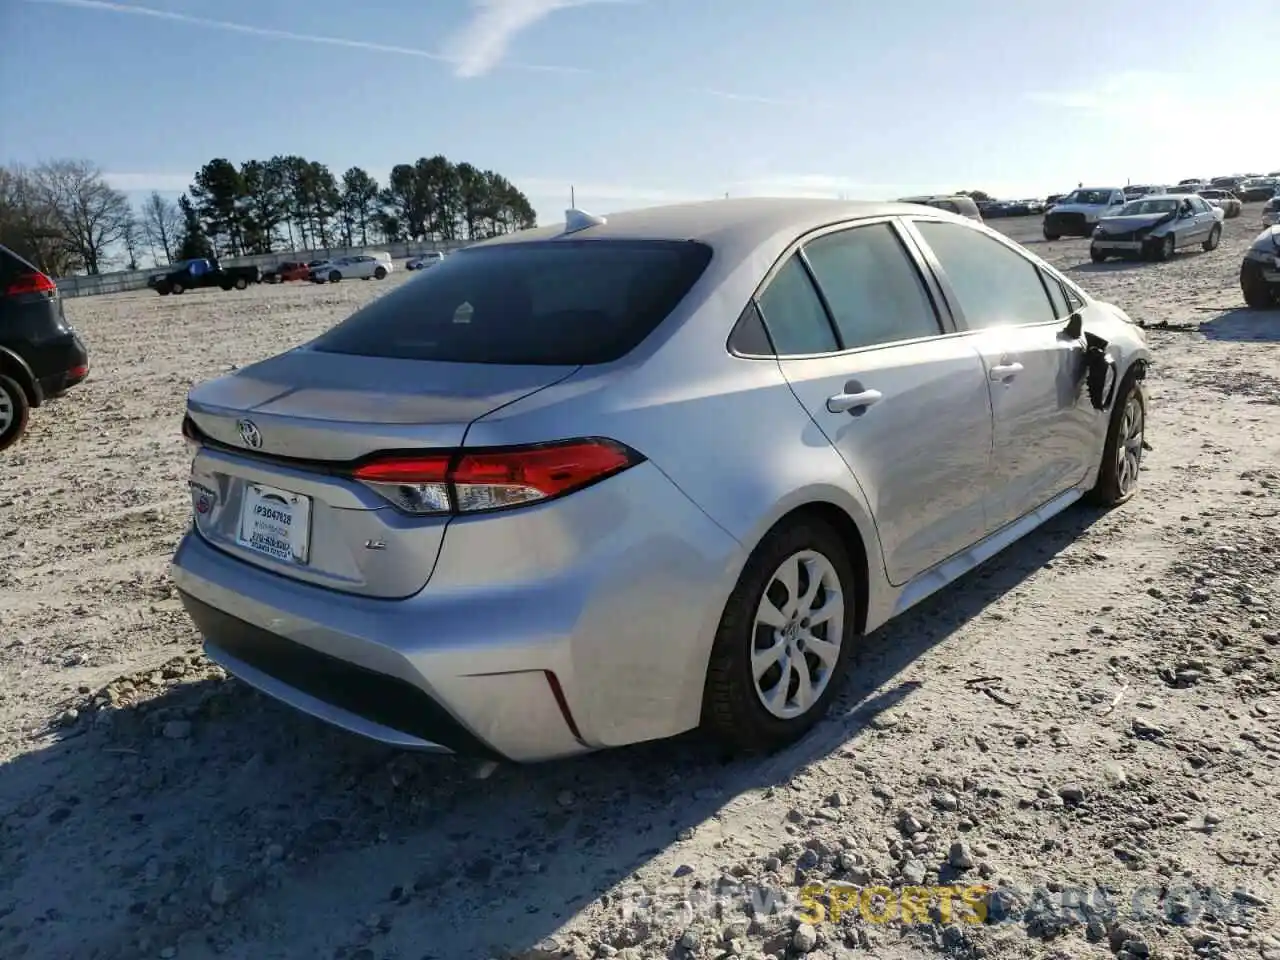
point(124, 281)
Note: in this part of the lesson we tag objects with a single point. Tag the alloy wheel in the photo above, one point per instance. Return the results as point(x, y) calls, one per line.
point(799, 628)
point(8, 409)
point(1129, 445)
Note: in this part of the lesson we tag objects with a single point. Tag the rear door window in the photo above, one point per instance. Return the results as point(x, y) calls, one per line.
point(545, 302)
point(794, 315)
point(874, 290)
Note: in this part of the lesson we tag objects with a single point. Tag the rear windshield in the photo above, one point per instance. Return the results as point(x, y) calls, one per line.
point(545, 302)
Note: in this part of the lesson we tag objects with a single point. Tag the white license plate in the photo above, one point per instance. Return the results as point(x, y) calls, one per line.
point(275, 523)
point(1120, 244)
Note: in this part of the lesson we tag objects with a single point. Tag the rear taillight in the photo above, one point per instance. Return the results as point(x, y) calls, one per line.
point(31, 283)
point(471, 481)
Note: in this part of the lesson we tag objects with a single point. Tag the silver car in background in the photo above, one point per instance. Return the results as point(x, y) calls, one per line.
point(1156, 227)
point(589, 485)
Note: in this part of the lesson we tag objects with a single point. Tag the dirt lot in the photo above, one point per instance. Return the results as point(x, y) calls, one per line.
point(1098, 709)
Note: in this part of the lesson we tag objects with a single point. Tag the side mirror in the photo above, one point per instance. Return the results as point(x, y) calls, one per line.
point(1074, 328)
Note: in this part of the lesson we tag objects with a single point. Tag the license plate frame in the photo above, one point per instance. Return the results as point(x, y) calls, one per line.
point(265, 534)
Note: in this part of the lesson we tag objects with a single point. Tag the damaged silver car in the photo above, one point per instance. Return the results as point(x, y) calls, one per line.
point(1154, 228)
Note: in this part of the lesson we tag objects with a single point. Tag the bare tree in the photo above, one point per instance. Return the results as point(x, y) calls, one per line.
point(132, 240)
point(28, 226)
point(90, 212)
point(161, 224)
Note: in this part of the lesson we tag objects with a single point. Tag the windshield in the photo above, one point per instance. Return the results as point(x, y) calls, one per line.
point(561, 302)
point(1089, 196)
point(1141, 207)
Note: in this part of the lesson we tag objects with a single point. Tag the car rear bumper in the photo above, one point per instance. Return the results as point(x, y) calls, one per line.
point(60, 364)
point(608, 649)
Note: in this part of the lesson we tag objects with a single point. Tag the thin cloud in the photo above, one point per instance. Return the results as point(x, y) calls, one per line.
point(481, 44)
point(146, 182)
point(479, 48)
point(249, 29)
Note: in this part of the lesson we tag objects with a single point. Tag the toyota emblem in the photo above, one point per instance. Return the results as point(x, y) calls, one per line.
point(250, 434)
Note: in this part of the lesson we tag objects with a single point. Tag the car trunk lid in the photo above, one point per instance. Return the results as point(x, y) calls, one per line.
point(269, 484)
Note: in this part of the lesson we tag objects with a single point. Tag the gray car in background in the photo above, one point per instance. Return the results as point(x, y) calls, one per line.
point(1155, 227)
point(600, 483)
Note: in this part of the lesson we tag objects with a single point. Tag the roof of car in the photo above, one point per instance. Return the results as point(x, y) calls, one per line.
point(740, 222)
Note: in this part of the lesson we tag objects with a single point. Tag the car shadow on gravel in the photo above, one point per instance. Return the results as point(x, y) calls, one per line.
point(210, 818)
point(1259, 326)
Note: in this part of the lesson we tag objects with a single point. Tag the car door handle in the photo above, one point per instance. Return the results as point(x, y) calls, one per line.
point(1005, 371)
point(848, 402)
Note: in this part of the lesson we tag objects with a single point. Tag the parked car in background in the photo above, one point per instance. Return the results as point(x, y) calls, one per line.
point(429, 259)
point(588, 485)
point(1080, 211)
point(1225, 183)
point(1136, 190)
point(1258, 188)
point(41, 355)
point(1271, 211)
point(1155, 227)
point(286, 272)
point(363, 266)
point(1260, 270)
point(197, 274)
point(1228, 201)
point(1192, 181)
point(952, 203)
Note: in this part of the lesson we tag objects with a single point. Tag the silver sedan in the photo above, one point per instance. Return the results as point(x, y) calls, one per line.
point(605, 482)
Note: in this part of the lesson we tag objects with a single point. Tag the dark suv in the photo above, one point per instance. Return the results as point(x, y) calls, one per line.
point(40, 355)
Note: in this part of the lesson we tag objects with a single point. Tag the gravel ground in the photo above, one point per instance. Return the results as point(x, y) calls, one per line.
point(1083, 736)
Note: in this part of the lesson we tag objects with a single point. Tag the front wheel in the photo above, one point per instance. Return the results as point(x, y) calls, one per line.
point(1166, 248)
point(178, 288)
point(784, 639)
point(380, 273)
point(242, 283)
point(1122, 451)
point(1215, 237)
point(1096, 255)
point(1050, 235)
point(334, 276)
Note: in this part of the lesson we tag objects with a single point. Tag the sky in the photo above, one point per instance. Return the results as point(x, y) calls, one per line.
point(641, 102)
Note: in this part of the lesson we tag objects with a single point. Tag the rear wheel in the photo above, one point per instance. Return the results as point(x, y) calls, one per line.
point(178, 288)
point(334, 276)
point(380, 273)
point(15, 411)
point(242, 283)
point(1122, 451)
point(1050, 235)
point(1096, 255)
point(784, 639)
point(1215, 237)
point(1257, 292)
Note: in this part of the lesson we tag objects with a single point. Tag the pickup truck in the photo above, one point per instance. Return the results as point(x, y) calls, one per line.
point(195, 274)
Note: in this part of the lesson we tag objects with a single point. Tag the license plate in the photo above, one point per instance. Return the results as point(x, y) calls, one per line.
point(1120, 244)
point(276, 523)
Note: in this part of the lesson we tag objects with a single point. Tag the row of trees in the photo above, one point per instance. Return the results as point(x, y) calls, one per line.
point(65, 217)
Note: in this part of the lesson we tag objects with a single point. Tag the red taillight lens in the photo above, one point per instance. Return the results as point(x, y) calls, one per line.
point(31, 283)
point(466, 481)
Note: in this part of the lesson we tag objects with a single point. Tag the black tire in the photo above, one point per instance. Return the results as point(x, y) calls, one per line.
point(15, 411)
point(1050, 235)
point(1112, 488)
point(1257, 292)
point(1096, 255)
point(177, 288)
point(334, 276)
point(732, 711)
point(380, 273)
point(1215, 237)
point(163, 291)
point(241, 283)
point(1165, 249)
